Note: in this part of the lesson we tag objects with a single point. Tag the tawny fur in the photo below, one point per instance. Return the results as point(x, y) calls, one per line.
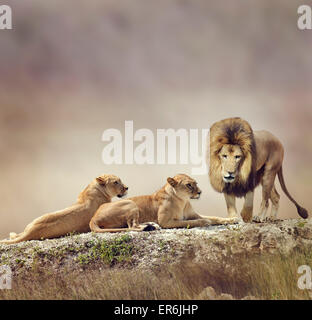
point(75, 218)
point(169, 207)
point(260, 157)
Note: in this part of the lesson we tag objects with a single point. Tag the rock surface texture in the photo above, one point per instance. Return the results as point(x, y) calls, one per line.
point(218, 246)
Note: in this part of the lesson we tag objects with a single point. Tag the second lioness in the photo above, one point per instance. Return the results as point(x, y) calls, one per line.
point(169, 207)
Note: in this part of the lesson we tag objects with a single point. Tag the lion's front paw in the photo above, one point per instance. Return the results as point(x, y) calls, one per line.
point(246, 214)
point(257, 219)
point(270, 219)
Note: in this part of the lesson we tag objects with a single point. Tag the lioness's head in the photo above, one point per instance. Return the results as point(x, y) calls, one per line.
point(185, 186)
point(231, 157)
point(112, 185)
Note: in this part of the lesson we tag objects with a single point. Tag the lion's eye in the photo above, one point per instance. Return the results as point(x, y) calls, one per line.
point(224, 156)
point(116, 182)
point(189, 186)
point(237, 157)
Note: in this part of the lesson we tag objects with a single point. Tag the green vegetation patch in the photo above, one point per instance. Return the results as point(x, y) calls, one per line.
point(108, 251)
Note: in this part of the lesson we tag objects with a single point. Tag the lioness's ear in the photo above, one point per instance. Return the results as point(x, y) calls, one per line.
point(172, 182)
point(101, 180)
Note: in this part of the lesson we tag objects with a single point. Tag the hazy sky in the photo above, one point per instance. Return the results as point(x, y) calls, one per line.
point(72, 70)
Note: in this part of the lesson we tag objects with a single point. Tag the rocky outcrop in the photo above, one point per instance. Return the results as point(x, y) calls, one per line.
point(218, 246)
point(209, 293)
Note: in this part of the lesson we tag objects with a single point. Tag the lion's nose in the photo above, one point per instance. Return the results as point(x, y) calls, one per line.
point(199, 192)
point(231, 173)
point(126, 188)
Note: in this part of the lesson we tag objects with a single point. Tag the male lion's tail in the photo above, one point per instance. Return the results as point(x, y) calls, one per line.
point(302, 211)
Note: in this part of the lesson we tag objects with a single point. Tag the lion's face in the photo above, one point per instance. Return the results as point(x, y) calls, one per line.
point(185, 186)
point(231, 157)
point(112, 185)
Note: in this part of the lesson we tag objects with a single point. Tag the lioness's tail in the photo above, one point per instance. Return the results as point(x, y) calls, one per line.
point(13, 235)
point(17, 239)
point(95, 228)
point(302, 211)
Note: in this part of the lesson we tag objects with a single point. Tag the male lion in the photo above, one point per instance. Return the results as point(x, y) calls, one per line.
point(169, 207)
point(240, 159)
point(75, 218)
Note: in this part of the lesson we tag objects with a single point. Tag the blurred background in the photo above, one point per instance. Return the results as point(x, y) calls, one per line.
point(70, 70)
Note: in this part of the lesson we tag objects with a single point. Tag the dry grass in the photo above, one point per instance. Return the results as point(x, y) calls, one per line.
point(277, 278)
point(265, 277)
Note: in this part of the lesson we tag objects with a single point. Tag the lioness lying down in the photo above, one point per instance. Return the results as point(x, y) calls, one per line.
point(75, 218)
point(169, 207)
